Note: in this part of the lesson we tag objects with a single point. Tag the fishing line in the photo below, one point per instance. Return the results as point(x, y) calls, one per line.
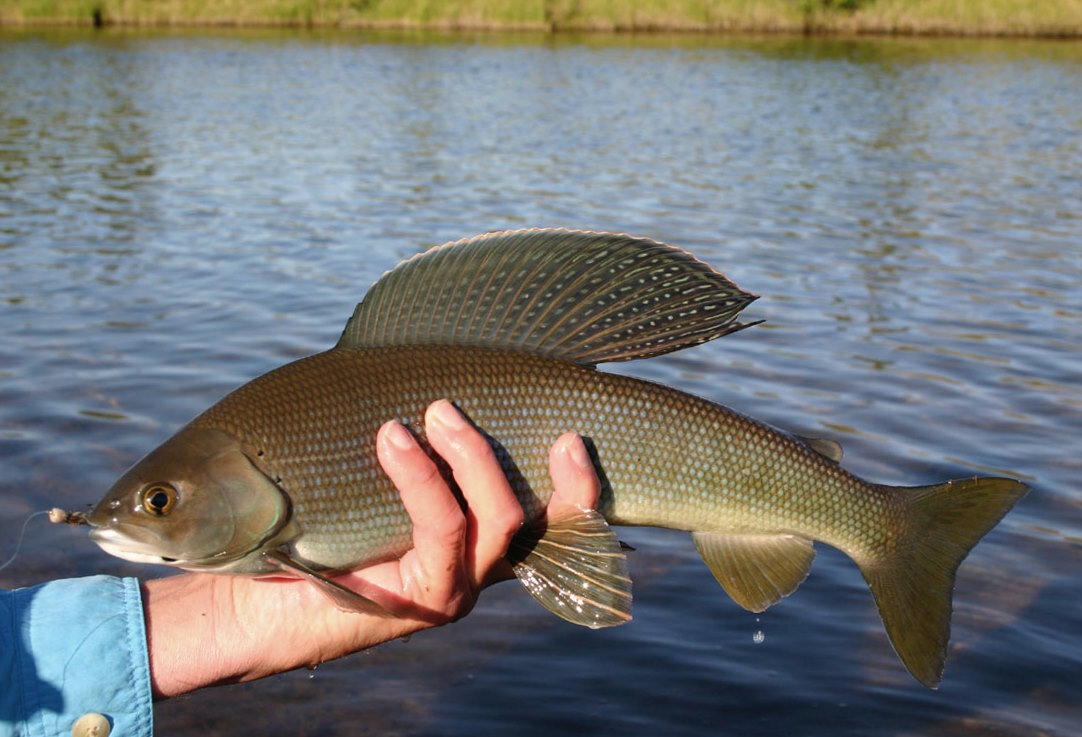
point(55, 515)
point(19, 542)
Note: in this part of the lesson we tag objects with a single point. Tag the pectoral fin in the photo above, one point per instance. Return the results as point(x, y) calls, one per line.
point(343, 598)
point(756, 570)
point(576, 569)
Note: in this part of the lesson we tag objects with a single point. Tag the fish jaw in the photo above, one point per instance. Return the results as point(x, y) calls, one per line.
point(118, 543)
point(115, 542)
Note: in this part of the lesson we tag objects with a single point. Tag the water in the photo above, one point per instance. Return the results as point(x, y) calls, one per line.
point(180, 213)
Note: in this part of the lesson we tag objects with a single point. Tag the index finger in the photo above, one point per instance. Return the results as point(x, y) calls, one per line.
point(493, 513)
point(438, 523)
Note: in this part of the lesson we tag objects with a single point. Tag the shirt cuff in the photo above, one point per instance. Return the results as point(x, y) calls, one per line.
point(80, 646)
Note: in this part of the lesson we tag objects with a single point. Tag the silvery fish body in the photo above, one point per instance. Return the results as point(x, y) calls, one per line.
point(282, 473)
point(672, 456)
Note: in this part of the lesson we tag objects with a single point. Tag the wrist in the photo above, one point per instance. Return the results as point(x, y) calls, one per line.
point(205, 630)
point(182, 634)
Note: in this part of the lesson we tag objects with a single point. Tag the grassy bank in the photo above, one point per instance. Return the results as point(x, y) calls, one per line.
point(930, 17)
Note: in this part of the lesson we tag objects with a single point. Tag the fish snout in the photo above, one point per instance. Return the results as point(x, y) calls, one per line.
point(103, 515)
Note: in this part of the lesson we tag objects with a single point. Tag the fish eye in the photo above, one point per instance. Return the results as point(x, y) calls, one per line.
point(159, 499)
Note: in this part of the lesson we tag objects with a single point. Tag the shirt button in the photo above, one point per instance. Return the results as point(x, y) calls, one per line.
point(91, 725)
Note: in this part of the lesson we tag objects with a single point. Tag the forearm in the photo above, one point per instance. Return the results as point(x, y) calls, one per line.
point(204, 630)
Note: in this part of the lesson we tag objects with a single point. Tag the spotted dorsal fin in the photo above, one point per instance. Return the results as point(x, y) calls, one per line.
point(581, 296)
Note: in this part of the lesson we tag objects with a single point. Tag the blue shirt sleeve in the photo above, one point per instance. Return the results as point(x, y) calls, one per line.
point(70, 647)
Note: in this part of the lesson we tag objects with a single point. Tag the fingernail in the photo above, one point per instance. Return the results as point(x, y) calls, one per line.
point(577, 450)
point(399, 436)
point(448, 416)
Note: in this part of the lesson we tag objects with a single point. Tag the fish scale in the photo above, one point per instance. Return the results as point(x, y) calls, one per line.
point(282, 474)
point(668, 457)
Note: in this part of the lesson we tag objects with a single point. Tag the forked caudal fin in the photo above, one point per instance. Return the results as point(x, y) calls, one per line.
point(913, 587)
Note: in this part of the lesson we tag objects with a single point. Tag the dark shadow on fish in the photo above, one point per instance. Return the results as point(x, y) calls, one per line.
point(606, 501)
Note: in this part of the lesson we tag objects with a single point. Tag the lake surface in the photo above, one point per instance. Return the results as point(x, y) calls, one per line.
point(180, 213)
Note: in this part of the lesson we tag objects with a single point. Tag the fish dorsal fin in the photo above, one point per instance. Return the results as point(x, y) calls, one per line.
point(757, 571)
point(581, 296)
point(830, 449)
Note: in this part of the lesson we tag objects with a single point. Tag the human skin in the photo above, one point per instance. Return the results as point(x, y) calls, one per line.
point(205, 629)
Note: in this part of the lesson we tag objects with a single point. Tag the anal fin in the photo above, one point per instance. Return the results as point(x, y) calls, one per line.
point(343, 598)
point(757, 571)
point(575, 567)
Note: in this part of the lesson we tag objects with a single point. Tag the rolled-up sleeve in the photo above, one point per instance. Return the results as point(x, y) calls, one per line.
point(73, 647)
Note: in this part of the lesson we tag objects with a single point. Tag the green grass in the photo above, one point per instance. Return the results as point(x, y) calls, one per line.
point(954, 17)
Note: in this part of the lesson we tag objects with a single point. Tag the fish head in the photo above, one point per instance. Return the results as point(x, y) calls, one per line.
point(196, 502)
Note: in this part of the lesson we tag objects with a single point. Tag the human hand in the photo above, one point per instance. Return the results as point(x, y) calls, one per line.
point(205, 629)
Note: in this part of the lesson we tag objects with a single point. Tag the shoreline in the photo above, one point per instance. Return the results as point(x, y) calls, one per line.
point(1056, 19)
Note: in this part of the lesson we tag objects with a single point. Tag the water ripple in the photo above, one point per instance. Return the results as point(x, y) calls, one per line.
point(182, 212)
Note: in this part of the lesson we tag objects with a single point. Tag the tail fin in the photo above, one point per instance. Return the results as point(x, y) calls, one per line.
point(913, 587)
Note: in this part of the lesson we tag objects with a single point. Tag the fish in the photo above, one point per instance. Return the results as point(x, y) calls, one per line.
point(281, 475)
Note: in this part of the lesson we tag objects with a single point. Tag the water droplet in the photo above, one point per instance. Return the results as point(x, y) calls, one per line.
point(758, 637)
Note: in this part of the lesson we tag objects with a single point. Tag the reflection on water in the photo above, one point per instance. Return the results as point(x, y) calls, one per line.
point(179, 213)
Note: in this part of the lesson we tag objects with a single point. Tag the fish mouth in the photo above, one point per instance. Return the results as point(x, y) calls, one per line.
point(114, 542)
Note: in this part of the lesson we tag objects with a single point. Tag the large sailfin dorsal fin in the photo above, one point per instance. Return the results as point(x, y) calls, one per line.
point(581, 296)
